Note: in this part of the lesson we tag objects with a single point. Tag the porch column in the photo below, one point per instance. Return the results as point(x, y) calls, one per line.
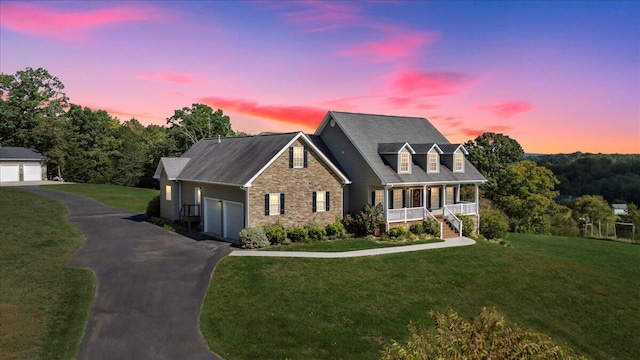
point(477, 210)
point(424, 196)
point(443, 195)
point(457, 200)
point(385, 206)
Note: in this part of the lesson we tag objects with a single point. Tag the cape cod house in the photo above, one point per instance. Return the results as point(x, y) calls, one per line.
point(227, 184)
point(403, 163)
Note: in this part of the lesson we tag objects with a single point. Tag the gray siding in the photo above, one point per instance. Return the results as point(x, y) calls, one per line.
point(356, 168)
point(169, 209)
point(222, 192)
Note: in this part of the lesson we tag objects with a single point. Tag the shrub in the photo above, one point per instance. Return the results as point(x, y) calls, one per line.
point(493, 224)
point(468, 226)
point(276, 233)
point(297, 234)
point(397, 232)
point(153, 207)
point(488, 336)
point(336, 230)
point(417, 228)
point(253, 238)
point(365, 221)
point(316, 232)
point(431, 227)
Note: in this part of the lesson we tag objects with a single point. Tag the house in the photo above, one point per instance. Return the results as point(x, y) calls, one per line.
point(619, 209)
point(21, 164)
point(405, 164)
point(228, 184)
point(402, 163)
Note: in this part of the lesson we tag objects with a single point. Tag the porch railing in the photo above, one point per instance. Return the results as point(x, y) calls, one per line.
point(452, 219)
point(406, 214)
point(463, 208)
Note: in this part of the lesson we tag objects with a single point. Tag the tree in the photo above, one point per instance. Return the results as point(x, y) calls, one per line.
point(27, 99)
point(524, 191)
point(592, 208)
point(190, 125)
point(491, 152)
point(486, 336)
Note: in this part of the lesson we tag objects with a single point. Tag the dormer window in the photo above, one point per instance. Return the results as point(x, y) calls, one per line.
point(434, 162)
point(458, 162)
point(405, 163)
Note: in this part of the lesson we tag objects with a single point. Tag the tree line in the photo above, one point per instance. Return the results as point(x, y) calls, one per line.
point(91, 146)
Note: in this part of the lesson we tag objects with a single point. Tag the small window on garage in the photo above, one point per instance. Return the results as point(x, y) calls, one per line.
point(167, 192)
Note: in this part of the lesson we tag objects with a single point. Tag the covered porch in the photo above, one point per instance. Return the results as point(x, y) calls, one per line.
point(442, 202)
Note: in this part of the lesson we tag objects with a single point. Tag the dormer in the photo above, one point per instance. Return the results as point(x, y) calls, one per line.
point(398, 156)
point(433, 159)
point(454, 157)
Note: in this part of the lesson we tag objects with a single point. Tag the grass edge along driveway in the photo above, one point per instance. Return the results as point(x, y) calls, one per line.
point(44, 304)
point(580, 292)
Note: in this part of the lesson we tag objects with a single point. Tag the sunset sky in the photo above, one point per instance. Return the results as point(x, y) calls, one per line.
point(556, 76)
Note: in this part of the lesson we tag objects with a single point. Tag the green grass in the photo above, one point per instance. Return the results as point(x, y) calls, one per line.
point(44, 305)
point(581, 292)
point(348, 244)
point(123, 197)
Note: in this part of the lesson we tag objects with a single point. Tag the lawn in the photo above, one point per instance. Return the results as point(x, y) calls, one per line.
point(130, 198)
point(585, 293)
point(348, 244)
point(44, 305)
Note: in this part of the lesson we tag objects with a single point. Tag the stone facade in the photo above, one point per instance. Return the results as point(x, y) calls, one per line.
point(298, 186)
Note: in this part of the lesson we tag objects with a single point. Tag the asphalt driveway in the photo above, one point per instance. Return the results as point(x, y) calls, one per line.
point(150, 283)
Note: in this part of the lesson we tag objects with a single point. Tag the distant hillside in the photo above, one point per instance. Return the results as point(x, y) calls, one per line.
point(615, 177)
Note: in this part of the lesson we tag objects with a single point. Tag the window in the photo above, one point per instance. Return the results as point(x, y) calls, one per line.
point(435, 198)
point(297, 157)
point(167, 192)
point(434, 162)
point(458, 162)
point(274, 204)
point(377, 197)
point(397, 199)
point(320, 201)
point(450, 195)
point(405, 163)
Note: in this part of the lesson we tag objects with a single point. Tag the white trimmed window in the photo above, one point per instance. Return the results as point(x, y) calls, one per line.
point(274, 204)
point(405, 163)
point(397, 199)
point(435, 198)
point(434, 162)
point(450, 195)
point(167, 192)
point(298, 157)
point(458, 162)
point(378, 197)
point(320, 201)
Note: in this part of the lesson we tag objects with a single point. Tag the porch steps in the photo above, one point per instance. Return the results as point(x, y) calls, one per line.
point(448, 231)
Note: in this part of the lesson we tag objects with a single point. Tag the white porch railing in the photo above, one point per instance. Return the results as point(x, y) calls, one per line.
point(452, 219)
point(406, 214)
point(463, 208)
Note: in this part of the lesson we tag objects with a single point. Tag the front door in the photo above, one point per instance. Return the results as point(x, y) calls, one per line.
point(416, 198)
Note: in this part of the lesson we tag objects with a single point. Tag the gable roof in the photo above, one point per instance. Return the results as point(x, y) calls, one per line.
point(394, 148)
point(172, 166)
point(19, 153)
point(240, 160)
point(367, 131)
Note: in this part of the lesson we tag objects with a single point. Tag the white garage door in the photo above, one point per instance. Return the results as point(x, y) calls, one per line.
point(233, 219)
point(213, 216)
point(9, 173)
point(32, 172)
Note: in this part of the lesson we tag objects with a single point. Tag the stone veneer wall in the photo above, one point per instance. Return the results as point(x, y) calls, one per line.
point(298, 186)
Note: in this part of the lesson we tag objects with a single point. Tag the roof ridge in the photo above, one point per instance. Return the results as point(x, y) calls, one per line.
point(384, 115)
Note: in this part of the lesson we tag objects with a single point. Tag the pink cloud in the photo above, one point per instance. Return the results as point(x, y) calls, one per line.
point(410, 83)
point(474, 133)
point(39, 20)
point(121, 114)
point(398, 46)
point(300, 115)
point(168, 77)
point(507, 108)
point(317, 15)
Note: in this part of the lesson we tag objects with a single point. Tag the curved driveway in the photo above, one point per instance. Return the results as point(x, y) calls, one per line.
point(150, 283)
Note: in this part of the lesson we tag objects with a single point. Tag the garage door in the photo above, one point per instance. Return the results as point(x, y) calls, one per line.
point(233, 219)
point(9, 173)
point(32, 172)
point(213, 216)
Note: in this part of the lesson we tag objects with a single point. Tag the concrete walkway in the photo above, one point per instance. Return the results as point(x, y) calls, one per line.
point(150, 283)
point(453, 242)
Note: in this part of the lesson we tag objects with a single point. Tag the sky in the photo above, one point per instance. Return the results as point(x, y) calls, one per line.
point(556, 76)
